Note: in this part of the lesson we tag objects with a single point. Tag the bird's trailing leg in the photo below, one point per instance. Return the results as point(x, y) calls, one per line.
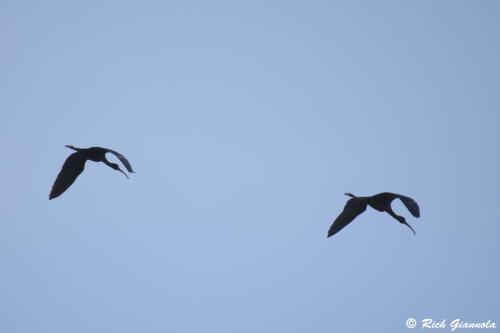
point(73, 147)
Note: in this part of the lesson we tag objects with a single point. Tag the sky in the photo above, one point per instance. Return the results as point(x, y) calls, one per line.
point(246, 121)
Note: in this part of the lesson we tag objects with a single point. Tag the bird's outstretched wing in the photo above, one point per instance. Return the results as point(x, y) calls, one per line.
point(72, 167)
point(122, 159)
point(385, 198)
point(352, 209)
point(410, 204)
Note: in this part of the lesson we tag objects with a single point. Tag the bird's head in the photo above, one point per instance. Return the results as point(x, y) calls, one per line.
point(117, 168)
point(402, 220)
point(349, 194)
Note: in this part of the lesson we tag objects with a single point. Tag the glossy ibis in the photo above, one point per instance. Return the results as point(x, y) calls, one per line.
point(380, 202)
point(75, 163)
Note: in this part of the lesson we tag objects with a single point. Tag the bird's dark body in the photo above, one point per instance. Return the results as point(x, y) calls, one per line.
point(75, 163)
point(381, 202)
point(96, 154)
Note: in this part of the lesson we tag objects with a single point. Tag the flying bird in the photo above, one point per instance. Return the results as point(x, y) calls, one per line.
point(381, 202)
point(75, 163)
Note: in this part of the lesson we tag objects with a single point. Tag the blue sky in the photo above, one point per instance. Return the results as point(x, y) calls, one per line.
point(245, 123)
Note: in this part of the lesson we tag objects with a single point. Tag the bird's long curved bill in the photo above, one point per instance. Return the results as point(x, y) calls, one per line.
point(123, 172)
point(409, 226)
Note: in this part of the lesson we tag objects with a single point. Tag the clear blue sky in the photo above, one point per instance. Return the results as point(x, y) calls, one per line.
point(246, 122)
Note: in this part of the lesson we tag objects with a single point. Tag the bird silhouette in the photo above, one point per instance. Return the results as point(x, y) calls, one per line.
point(75, 163)
point(381, 202)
